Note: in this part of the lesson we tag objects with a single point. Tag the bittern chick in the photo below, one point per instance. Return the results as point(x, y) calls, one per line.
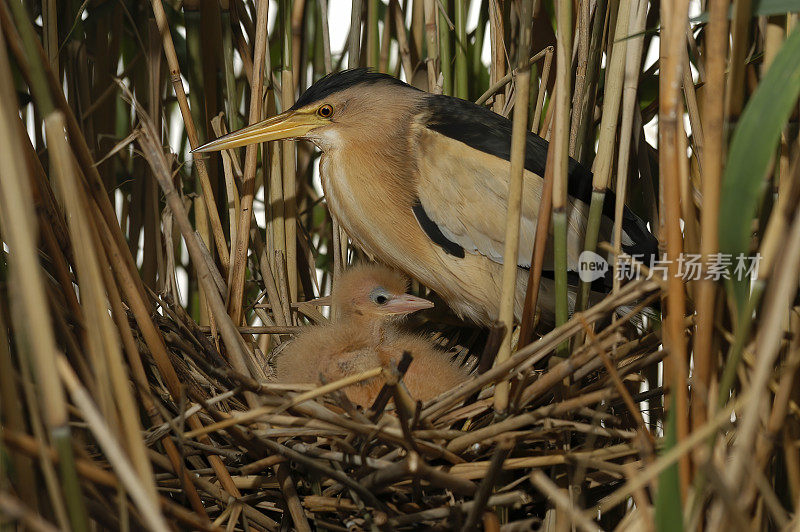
point(370, 301)
point(420, 182)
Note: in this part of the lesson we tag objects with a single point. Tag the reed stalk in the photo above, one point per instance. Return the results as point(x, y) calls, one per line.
point(671, 160)
point(231, 94)
point(20, 472)
point(537, 258)
point(582, 58)
point(230, 335)
point(636, 24)
point(583, 147)
point(713, 116)
point(94, 418)
point(354, 39)
point(29, 316)
point(191, 132)
point(497, 64)
point(288, 169)
point(247, 188)
point(460, 84)
point(402, 40)
point(445, 52)
point(557, 165)
point(100, 327)
point(373, 33)
point(432, 44)
point(735, 88)
point(510, 251)
point(604, 161)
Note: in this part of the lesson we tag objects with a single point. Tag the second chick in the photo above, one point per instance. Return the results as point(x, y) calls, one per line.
point(370, 301)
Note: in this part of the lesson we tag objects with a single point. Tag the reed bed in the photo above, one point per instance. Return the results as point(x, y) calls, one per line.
point(143, 290)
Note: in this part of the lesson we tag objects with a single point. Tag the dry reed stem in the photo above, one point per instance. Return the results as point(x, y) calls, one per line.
point(636, 25)
point(157, 349)
point(615, 77)
point(513, 75)
point(155, 157)
point(402, 40)
point(191, 132)
point(14, 421)
point(139, 494)
point(270, 411)
point(532, 353)
point(354, 38)
point(652, 471)
point(582, 59)
point(542, 224)
point(19, 228)
point(432, 42)
point(603, 162)
point(537, 114)
point(497, 63)
point(768, 340)
point(671, 159)
point(693, 110)
point(101, 335)
point(735, 87)
point(713, 118)
point(233, 341)
point(556, 496)
point(557, 164)
point(232, 171)
point(462, 442)
point(517, 171)
point(29, 316)
point(239, 264)
point(288, 170)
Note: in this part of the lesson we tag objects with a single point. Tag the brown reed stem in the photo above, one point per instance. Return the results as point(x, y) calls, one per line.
point(671, 160)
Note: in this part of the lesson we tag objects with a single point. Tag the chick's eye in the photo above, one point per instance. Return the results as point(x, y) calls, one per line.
point(326, 111)
point(379, 296)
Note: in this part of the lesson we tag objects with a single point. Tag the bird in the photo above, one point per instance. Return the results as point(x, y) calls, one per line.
point(419, 181)
point(370, 300)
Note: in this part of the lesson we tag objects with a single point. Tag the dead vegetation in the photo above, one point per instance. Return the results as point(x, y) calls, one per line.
point(142, 291)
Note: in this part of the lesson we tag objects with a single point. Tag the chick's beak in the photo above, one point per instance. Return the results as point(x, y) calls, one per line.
point(406, 304)
point(288, 125)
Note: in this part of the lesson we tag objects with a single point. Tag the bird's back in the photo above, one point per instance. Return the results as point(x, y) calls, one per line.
point(317, 350)
point(486, 131)
point(431, 372)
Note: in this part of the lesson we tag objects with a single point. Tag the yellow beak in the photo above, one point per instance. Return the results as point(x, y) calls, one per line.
point(288, 125)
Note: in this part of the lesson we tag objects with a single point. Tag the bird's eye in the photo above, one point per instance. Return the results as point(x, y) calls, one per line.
point(326, 111)
point(379, 296)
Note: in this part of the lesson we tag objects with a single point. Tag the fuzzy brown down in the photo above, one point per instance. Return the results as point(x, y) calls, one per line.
point(351, 291)
point(361, 340)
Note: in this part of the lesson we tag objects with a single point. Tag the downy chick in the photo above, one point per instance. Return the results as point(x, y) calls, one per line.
point(370, 301)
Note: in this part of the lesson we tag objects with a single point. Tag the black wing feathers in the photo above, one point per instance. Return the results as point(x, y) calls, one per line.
point(434, 233)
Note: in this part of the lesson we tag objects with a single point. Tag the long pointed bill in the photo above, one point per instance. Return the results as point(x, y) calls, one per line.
point(406, 304)
point(288, 125)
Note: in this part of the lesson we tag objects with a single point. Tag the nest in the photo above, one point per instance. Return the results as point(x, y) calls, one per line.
point(307, 455)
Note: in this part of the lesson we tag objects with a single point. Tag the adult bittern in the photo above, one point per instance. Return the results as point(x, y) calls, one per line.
point(370, 300)
point(420, 182)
